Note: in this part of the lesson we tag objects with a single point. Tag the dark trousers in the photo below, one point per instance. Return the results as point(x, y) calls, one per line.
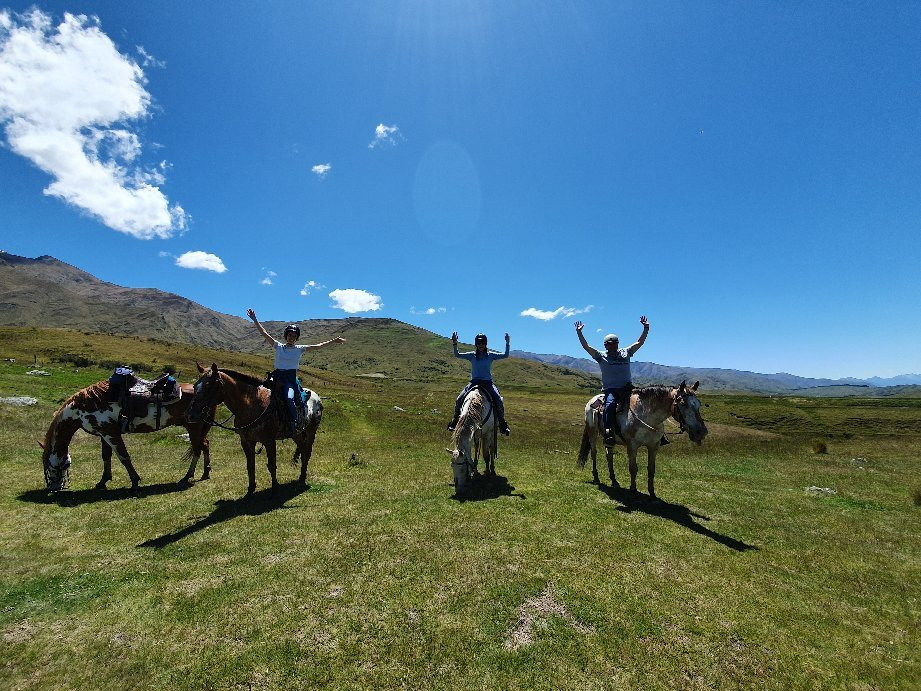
point(287, 385)
point(495, 398)
point(610, 406)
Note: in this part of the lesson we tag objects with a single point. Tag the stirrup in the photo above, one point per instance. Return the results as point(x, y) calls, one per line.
point(505, 430)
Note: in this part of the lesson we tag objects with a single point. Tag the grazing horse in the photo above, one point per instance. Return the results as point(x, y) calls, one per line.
point(260, 418)
point(642, 423)
point(476, 429)
point(90, 410)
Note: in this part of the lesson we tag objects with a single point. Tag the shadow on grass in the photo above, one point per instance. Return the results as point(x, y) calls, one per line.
point(682, 515)
point(488, 487)
point(259, 503)
point(90, 496)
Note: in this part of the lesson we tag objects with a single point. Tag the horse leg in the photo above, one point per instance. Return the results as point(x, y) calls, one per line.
point(106, 465)
point(270, 447)
point(195, 452)
point(206, 452)
point(249, 450)
point(305, 449)
point(651, 469)
point(117, 444)
point(609, 453)
point(631, 455)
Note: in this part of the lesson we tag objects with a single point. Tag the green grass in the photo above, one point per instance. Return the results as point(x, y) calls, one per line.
point(375, 577)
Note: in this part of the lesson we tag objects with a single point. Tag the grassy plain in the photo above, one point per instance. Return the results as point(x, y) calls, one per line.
point(376, 578)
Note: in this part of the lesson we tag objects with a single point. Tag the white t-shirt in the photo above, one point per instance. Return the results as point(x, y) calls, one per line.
point(288, 357)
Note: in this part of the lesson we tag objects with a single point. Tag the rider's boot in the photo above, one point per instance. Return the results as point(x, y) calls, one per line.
point(664, 441)
point(453, 423)
point(503, 427)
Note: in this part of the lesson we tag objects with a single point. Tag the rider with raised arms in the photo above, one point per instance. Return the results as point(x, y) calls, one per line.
point(287, 359)
point(481, 361)
point(615, 371)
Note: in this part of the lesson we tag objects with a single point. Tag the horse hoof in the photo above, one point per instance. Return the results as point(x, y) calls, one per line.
point(206, 476)
point(100, 485)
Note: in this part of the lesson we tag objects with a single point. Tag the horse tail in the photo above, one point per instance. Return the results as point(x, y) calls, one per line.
point(296, 456)
point(187, 456)
point(586, 445)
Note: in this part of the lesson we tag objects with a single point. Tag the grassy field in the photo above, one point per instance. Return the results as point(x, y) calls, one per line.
point(376, 578)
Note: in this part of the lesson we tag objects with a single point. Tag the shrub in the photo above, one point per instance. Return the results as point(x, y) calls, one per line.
point(819, 446)
point(170, 369)
point(75, 360)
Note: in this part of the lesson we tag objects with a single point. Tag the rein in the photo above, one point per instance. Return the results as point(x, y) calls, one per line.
point(675, 413)
point(242, 427)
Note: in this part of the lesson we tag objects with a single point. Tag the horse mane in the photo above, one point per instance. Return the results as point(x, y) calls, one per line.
point(656, 394)
point(469, 419)
point(243, 377)
point(93, 397)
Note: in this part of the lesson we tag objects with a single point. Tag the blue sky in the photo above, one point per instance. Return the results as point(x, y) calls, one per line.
point(748, 175)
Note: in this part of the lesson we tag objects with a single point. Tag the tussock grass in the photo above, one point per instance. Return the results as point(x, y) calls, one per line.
point(376, 578)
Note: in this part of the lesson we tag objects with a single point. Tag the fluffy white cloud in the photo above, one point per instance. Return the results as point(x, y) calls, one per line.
point(201, 260)
point(321, 169)
point(267, 279)
point(352, 300)
point(385, 134)
point(429, 311)
point(547, 315)
point(310, 286)
point(67, 98)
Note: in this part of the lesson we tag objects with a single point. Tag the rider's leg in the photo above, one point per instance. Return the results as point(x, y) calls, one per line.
point(610, 406)
point(500, 409)
point(288, 388)
point(457, 406)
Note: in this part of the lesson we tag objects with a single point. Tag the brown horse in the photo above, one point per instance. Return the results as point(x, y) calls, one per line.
point(642, 423)
point(259, 418)
point(90, 410)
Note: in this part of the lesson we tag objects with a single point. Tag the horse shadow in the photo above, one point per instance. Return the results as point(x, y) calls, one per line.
point(485, 487)
point(680, 514)
point(257, 504)
point(91, 496)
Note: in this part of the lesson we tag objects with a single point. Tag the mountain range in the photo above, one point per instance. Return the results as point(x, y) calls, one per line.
point(46, 292)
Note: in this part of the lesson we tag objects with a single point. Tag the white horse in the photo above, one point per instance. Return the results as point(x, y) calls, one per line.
point(642, 423)
point(476, 430)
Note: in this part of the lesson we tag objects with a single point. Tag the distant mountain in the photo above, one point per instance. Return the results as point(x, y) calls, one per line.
point(714, 379)
point(46, 292)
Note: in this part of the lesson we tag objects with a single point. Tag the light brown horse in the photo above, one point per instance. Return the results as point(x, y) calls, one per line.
point(90, 410)
point(642, 423)
point(260, 419)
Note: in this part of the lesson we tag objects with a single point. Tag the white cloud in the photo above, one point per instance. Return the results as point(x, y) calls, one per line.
point(310, 286)
point(547, 315)
point(267, 279)
point(67, 101)
point(385, 134)
point(148, 60)
point(201, 260)
point(321, 169)
point(429, 311)
point(352, 300)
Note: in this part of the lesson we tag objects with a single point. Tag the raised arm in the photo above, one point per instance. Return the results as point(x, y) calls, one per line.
point(500, 356)
point(265, 334)
point(642, 339)
point(315, 346)
point(588, 349)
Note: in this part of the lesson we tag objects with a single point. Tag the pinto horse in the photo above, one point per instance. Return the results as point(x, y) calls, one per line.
point(476, 429)
point(642, 423)
point(260, 418)
point(90, 410)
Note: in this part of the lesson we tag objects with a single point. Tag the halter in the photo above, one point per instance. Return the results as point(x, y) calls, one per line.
point(214, 422)
point(63, 469)
point(677, 414)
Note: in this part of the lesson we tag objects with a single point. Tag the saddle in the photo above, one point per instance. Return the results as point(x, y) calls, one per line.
point(623, 398)
point(136, 395)
point(278, 399)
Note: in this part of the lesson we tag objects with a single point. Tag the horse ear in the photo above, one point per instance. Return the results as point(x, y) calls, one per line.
point(450, 453)
point(696, 384)
point(683, 385)
point(214, 368)
point(41, 445)
point(201, 370)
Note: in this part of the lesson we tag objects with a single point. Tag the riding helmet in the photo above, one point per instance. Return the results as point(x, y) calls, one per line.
point(293, 328)
point(480, 338)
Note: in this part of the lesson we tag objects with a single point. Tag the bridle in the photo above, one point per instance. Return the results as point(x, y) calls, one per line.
point(215, 423)
point(63, 471)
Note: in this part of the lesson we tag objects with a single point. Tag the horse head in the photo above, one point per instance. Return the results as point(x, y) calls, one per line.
point(208, 393)
point(56, 465)
point(686, 410)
